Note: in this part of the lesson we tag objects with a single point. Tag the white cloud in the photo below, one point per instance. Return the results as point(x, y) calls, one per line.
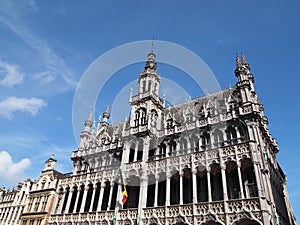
point(14, 104)
point(11, 172)
point(45, 77)
point(10, 75)
point(11, 15)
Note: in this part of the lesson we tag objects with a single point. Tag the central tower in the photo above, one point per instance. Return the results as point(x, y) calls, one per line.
point(147, 107)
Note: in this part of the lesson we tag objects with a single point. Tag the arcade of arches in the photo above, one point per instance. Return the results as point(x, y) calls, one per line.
point(234, 181)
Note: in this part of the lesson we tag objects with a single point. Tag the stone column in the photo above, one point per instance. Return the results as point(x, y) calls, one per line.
point(76, 201)
point(143, 192)
point(93, 197)
point(61, 202)
point(156, 190)
point(224, 182)
point(110, 195)
point(69, 200)
point(208, 185)
point(240, 181)
point(167, 188)
point(135, 151)
point(194, 182)
point(181, 187)
point(11, 209)
point(86, 188)
point(100, 197)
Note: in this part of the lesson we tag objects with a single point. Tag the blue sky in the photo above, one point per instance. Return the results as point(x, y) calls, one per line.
point(46, 46)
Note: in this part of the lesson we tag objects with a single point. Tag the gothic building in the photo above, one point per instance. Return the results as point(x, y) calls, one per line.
point(210, 160)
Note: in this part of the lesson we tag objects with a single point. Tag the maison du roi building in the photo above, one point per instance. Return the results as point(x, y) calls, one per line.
point(209, 160)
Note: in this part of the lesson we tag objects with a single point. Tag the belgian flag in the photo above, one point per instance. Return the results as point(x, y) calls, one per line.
point(124, 191)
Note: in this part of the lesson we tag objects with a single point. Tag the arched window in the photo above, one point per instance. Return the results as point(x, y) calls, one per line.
point(249, 180)
point(143, 116)
point(97, 195)
point(140, 117)
point(149, 85)
point(216, 182)
point(187, 186)
point(73, 199)
point(80, 198)
point(218, 138)
point(202, 190)
point(105, 196)
point(205, 140)
point(151, 191)
point(140, 151)
point(114, 196)
point(67, 191)
point(231, 135)
point(162, 150)
point(133, 191)
point(88, 198)
point(174, 188)
point(144, 86)
point(232, 178)
point(161, 198)
point(136, 118)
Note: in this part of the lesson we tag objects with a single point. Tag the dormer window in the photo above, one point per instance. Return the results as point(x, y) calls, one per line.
point(169, 124)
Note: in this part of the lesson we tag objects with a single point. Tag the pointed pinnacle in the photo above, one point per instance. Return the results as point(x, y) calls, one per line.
point(243, 59)
point(237, 61)
point(90, 118)
point(107, 108)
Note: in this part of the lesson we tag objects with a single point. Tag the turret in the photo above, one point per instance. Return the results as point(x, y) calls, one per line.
point(146, 105)
point(149, 79)
point(50, 163)
point(245, 79)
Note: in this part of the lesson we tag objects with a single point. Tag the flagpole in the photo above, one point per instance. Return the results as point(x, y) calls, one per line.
point(140, 205)
point(117, 208)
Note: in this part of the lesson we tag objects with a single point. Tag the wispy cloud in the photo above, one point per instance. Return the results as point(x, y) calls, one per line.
point(11, 16)
point(11, 172)
point(10, 75)
point(14, 104)
point(45, 77)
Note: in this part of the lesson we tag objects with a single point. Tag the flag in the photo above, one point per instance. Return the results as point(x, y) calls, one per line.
point(124, 191)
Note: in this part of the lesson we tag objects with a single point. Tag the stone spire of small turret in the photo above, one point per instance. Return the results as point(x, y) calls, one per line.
point(238, 61)
point(89, 122)
point(106, 114)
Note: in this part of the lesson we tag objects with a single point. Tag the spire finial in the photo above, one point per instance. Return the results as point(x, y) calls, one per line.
point(237, 61)
point(243, 59)
point(152, 45)
point(90, 118)
point(52, 156)
point(107, 108)
point(106, 114)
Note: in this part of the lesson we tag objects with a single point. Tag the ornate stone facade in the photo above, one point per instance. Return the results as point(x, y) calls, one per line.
point(12, 203)
point(209, 160)
point(41, 197)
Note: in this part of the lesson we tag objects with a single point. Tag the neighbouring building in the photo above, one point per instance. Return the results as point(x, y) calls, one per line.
point(12, 203)
point(41, 197)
